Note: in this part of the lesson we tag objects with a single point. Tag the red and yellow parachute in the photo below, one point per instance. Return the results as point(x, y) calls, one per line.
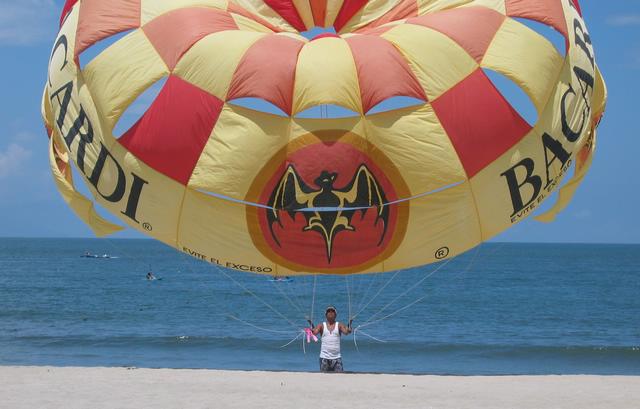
point(274, 194)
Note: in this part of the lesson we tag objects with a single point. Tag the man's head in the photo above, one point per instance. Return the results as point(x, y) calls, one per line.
point(331, 313)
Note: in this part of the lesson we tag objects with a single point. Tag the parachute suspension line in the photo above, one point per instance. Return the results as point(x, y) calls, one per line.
point(258, 298)
point(294, 340)
point(313, 297)
point(373, 279)
point(366, 324)
point(256, 326)
point(466, 269)
point(372, 337)
point(409, 289)
point(346, 281)
point(471, 262)
point(377, 293)
point(291, 301)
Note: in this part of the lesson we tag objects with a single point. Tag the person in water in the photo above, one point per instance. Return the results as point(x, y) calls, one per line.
point(150, 276)
point(331, 330)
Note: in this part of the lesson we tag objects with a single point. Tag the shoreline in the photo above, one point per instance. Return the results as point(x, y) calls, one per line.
point(104, 387)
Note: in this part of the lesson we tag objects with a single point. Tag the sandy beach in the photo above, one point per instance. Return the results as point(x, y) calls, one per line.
point(54, 387)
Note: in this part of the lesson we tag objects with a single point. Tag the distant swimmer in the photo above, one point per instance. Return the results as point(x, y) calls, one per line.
point(331, 330)
point(150, 276)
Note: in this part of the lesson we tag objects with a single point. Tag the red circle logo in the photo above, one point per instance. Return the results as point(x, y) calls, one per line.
point(326, 198)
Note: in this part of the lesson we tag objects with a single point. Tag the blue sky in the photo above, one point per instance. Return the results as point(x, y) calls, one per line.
point(605, 209)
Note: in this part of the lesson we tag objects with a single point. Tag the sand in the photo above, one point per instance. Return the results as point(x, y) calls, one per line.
point(53, 387)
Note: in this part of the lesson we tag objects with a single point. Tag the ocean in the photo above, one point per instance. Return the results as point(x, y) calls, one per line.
point(496, 310)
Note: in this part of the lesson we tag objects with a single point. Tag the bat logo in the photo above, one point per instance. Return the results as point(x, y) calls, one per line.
point(292, 194)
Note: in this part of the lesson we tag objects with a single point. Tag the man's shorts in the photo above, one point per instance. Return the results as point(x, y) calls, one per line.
point(330, 365)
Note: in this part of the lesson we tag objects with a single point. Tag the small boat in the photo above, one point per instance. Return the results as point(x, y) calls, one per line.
point(89, 255)
point(281, 279)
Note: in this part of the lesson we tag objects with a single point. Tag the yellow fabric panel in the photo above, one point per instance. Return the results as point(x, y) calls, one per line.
point(121, 73)
point(373, 10)
point(333, 7)
point(160, 199)
point(45, 109)
point(491, 189)
point(304, 10)
point(81, 206)
point(436, 60)
point(151, 9)
point(417, 144)
point(497, 5)
point(295, 36)
point(446, 219)
point(429, 6)
point(59, 157)
point(599, 95)
point(260, 8)
point(212, 61)
point(527, 58)
point(303, 126)
point(241, 143)
point(326, 74)
point(216, 229)
point(247, 24)
point(566, 192)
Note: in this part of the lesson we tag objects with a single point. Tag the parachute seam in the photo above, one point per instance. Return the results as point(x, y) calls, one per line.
point(467, 179)
point(180, 213)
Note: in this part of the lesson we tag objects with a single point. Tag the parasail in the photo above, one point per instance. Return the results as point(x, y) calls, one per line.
point(284, 194)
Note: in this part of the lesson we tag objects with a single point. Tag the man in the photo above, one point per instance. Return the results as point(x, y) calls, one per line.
point(331, 330)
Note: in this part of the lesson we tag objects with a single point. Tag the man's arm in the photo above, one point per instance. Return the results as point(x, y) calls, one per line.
point(346, 330)
point(317, 330)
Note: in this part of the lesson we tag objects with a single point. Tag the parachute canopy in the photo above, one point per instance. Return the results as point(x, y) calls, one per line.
point(282, 194)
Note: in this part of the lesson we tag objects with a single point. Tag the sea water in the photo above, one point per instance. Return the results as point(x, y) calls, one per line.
point(499, 309)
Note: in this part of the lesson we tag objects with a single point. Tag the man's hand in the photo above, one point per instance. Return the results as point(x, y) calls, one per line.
point(346, 330)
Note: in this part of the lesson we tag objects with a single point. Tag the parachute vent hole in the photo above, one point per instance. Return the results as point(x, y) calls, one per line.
point(136, 110)
point(327, 111)
point(317, 31)
point(395, 103)
point(258, 104)
point(551, 34)
point(518, 99)
point(97, 48)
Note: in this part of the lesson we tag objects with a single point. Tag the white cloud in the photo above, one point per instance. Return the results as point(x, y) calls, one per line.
point(624, 20)
point(27, 22)
point(12, 159)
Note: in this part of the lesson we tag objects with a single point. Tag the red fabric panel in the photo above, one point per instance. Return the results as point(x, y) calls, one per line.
point(549, 12)
point(172, 34)
point(68, 5)
point(471, 27)
point(375, 31)
point(382, 71)
point(349, 9)
point(405, 9)
point(234, 8)
point(171, 135)
point(481, 124)
point(325, 35)
point(287, 11)
point(318, 11)
point(267, 71)
point(100, 19)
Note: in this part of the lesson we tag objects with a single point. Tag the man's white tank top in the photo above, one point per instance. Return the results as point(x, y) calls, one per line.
point(330, 346)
